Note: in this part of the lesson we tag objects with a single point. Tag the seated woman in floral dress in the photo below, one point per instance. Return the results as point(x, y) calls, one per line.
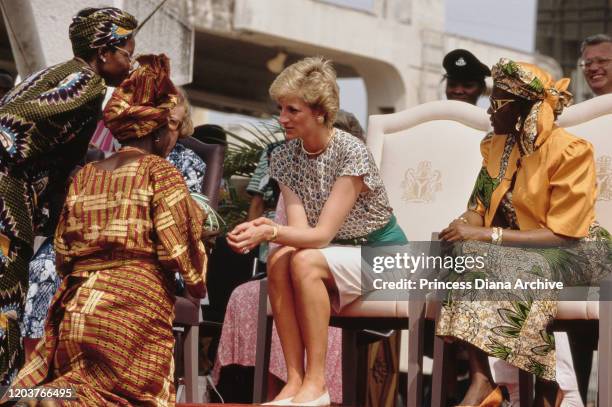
point(532, 216)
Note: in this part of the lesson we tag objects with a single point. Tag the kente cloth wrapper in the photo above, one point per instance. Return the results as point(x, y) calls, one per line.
point(103, 27)
point(122, 237)
point(142, 103)
point(533, 83)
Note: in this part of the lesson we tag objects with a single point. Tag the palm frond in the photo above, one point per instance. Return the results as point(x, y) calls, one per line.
point(242, 154)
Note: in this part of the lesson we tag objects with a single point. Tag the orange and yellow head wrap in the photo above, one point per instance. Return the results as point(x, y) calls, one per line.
point(532, 83)
point(142, 103)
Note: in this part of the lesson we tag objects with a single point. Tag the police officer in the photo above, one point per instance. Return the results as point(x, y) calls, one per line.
point(465, 76)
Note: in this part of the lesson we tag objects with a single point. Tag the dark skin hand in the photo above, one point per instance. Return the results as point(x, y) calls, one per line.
point(459, 231)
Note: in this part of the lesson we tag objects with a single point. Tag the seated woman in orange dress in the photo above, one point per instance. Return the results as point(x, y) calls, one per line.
point(531, 216)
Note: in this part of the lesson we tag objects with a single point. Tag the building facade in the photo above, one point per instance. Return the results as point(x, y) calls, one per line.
point(229, 51)
point(561, 27)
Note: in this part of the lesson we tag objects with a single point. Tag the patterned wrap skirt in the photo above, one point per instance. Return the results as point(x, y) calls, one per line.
point(513, 325)
point(109, 336)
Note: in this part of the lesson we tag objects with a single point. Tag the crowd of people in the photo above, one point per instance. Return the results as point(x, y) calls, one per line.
point(92, 308)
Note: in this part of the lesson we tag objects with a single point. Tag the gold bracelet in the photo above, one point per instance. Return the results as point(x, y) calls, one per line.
point(274, 234)
point(497, 235)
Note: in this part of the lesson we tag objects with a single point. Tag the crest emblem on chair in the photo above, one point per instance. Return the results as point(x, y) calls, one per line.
point(421, 184)
point(604, 178)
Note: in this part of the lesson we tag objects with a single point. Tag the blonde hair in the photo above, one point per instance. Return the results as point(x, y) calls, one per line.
point(187, 123)
point(314, 81)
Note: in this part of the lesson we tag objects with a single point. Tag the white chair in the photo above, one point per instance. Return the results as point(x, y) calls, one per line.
point(429, 157)
point(592, 120)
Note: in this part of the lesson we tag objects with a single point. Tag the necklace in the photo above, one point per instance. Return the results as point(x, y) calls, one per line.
point(130, 148)
point(318, 151)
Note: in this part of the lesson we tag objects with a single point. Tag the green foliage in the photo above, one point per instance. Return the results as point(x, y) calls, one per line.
point(243, 153)
point(241, 157)
point(514, 319)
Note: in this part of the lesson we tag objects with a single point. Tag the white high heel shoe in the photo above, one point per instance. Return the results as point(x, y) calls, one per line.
point(282, 402)
point(322, 401)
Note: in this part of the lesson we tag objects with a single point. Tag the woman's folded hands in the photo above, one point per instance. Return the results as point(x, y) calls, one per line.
point(244, 237)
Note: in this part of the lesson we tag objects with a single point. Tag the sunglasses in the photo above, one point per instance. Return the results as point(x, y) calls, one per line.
point(497, 104)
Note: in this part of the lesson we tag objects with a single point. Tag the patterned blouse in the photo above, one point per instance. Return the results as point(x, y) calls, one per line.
point(46, 122)
point(312, 180)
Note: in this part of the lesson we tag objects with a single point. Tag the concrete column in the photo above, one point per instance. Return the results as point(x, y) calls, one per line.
point(23, 35)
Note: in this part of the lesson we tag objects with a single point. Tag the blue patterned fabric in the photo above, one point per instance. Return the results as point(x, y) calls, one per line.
point(44, 282)
point(190, 165)
point(193, 169)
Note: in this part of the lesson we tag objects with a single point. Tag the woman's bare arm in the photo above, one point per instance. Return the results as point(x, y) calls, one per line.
point(298, 233)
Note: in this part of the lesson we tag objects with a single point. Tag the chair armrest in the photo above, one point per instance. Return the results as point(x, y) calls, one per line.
point(186, 312)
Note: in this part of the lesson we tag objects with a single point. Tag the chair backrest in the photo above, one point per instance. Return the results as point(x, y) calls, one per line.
point(592, 120)
point(213, 155)
point(429, 157)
